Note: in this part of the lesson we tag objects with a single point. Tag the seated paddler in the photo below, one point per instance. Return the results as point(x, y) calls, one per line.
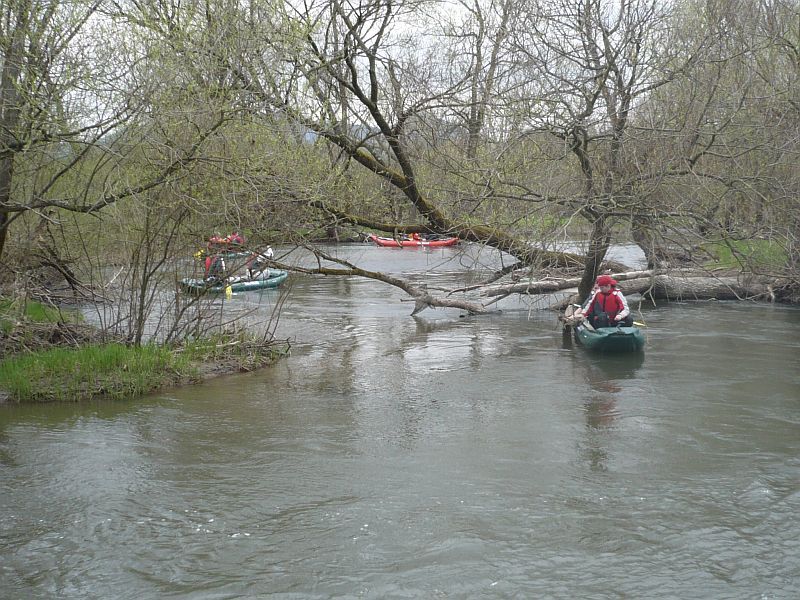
point(608, 306)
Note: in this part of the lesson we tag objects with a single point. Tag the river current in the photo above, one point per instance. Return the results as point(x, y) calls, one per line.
point(439, 456)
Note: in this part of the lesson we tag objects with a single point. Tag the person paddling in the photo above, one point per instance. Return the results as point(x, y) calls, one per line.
point(258, 262)
point(608, 307)
point(235, 240)
point(215, 268)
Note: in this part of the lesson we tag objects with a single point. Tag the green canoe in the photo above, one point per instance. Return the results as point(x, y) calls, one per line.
point(268, 279)
point(610, 339)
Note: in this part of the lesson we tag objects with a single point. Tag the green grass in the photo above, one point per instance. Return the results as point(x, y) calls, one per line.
point(32, 311)
point(755, 254)
point(112, 370)
point(120, 371)
point(64, 374)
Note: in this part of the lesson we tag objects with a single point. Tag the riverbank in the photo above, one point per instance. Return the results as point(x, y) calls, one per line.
point(113, 370)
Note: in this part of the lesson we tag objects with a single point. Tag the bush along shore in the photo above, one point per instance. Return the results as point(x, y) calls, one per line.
point(92, 370)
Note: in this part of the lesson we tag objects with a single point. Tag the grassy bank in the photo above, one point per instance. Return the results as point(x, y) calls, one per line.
point(753, 254)
point(46, 360)
point(112, 370)
point(119, 371)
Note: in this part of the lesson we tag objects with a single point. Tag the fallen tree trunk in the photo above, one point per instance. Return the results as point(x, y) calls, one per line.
point(656, 285)
point(687, 286)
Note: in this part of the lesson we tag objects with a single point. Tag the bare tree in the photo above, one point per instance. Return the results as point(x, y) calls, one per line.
point(513, 122)
point(568, 100)
point(73, 122)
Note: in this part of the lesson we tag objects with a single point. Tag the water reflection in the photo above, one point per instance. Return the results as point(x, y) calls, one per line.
point(389, 456)
point(444, 345)
point(605, 376)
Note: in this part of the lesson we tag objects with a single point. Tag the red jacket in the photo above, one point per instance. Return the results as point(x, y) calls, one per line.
point(611, 304)
point(215, 265)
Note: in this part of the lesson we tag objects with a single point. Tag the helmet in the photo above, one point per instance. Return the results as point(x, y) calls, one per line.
point(606, 280)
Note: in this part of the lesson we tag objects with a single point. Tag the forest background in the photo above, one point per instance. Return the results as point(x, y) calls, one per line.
point(132, 130)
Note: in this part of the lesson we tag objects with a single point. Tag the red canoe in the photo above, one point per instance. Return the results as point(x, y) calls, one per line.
point(393, 243)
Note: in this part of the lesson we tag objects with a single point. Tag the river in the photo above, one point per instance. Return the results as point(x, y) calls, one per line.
point(441, 456)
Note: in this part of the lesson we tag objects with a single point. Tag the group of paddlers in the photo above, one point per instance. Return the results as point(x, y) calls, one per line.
point(215, 268)
point(229, 243)
point(424, 237)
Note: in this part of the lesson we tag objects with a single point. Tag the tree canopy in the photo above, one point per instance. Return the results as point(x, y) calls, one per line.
point(510, 123)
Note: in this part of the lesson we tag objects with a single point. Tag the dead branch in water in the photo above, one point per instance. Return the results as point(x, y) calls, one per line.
point(420, 294)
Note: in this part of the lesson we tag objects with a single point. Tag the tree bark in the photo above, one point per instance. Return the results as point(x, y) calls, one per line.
point(9, 115)
point(674, 285)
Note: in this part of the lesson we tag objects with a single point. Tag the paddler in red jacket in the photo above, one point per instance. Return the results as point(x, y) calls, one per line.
point(608, 307)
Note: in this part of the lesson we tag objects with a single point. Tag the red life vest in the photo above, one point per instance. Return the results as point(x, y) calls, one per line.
point(214, 266)
point(610, 303)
